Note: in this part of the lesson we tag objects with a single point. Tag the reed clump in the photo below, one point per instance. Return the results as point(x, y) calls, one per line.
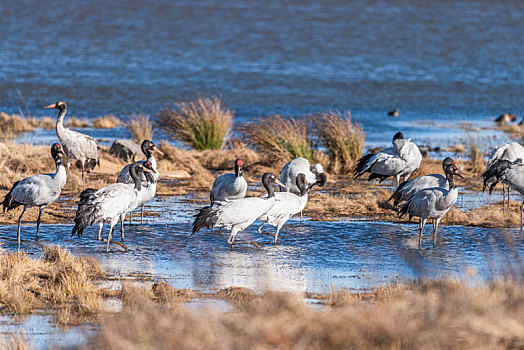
point(280, 138)
point(141, 127)
point(342, 138)
point(444, 313)
point(106, 122)
point(202, 124)
point(58, 280)
point(11, 125)
point(47, 123)
point(74, 122)
point(477, 161)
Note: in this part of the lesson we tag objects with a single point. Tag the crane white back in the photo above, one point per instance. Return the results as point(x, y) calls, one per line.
point(300, 165)
point(38, 190)
point(77, 146)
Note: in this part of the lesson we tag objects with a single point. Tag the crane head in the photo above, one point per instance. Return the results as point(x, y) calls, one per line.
point(58, 105)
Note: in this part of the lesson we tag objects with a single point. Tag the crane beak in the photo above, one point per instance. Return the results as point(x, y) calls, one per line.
point(457, 174)
point(277, 182)
point(61, 152)
point(158, 151)
point(51, 106)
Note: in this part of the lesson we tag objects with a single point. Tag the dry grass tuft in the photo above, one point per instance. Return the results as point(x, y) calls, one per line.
point(280, 138)
point(224, 159)
point(237, 295)
point(478, 163)
point(343, 139)
point(202, 124)
point(166, 294)
point(141, 127)
point(59, 280)
point(74, 122)
point(47, 123)
point(14, 342)
point(429, 314)
point(12, 125)
point(180, 159)
point(106, 122)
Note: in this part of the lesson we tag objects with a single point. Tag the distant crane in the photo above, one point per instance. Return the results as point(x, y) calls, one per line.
point(399, 161)
point(37, 190)
point(76, 145)
point(432, 203)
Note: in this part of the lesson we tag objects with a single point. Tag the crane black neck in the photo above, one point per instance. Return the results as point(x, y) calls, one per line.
point(268, 185)
point(134, 172)
point(451, 179)
point(146, 149)
point(301, 184)
point(238, 170)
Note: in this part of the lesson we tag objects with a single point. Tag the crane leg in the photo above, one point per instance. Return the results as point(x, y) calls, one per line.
point(122, 218)
point(100, 224)
point(68, 165)
point(142, 215)
point(503, 199)
point(422, 222)
point(508, 198)
point(19, 223)
point(83, 176)
point(521, 209)
point(130, 217)
point(109, 236)
point(38, 221)
point(276, 234)
point(301, 216)
point(435, 226)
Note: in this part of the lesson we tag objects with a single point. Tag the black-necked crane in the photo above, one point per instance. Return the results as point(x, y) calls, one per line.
point(229, 186)
point(432, 203)
point(511, 151)
point(237, 214)
point(110, 202)
point(399, 161)
point(149, 181)
point(77, 146)
point(509, 173)
point(407, 189)
point(38, 190)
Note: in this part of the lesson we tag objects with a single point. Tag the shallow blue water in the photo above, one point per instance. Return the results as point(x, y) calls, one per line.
point(440, 62)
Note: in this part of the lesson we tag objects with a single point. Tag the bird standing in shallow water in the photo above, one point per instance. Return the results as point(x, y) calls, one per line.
point(108, 203)
point(38, 190)
point(148, 180)
point(229, 186)
point(237, 214)
point(432, 203)
point(76, 145)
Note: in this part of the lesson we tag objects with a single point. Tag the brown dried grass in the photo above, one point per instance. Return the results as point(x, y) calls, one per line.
point(106, 122)
point(429, 314)
point(58, 280)
point(279, 139)
point(141, 127)
point(14, 342)
point(12, 125)
point(47, 123)
point(74, 122)
point(342, 138)
point(202, 124)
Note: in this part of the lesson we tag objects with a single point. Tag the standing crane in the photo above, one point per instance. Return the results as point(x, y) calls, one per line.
point(37, 190)
point(229, 186)
point(77, 146)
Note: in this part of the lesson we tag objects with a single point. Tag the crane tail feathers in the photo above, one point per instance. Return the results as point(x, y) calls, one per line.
point(361, 164)
point(8, 203)
point(397, 195)
point(206, 218)
point(86, 212)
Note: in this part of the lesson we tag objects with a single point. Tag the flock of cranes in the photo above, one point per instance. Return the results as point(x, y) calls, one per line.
point(426, 197)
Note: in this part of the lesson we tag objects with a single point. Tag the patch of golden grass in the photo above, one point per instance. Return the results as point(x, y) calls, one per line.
point(47, 123)
point(477, 161)
point(224, 159)
point(12, 125)
point(202, 124)
point(279, 138)
point(58, 280)
point(342, 138)
point(106, 122)
point(14, 342)
point(74, 122)
point(141, 127)
point(429, 314)
point(236, 295)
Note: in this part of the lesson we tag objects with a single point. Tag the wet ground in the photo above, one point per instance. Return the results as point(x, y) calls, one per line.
point(313, 256)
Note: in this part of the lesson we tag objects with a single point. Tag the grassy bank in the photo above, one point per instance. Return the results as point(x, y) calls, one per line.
point(422, 314)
